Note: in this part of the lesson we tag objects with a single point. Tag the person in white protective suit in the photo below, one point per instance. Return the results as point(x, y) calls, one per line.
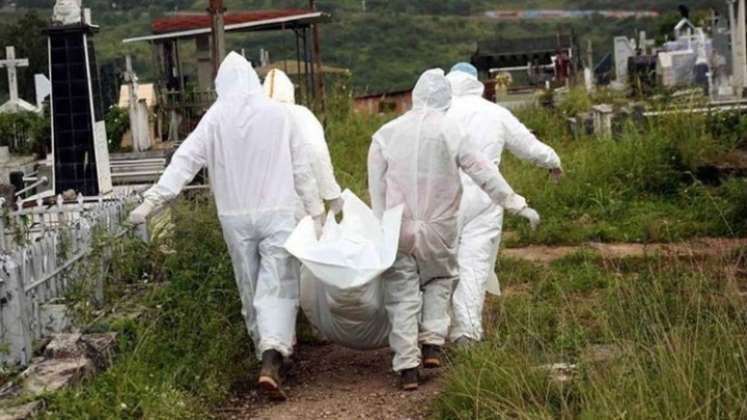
point(415, 161)
point(258, 167)
point(280, 88)
point(493, 129)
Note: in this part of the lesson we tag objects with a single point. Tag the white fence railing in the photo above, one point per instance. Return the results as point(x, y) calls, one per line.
point(41, 256)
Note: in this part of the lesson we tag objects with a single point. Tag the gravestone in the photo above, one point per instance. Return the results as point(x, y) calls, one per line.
point(11, 64)
point(138, 111)
point(624, 50)
point(79, 142)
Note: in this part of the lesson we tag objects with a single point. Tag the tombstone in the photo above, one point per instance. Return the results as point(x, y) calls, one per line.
point(79, 140)
point(624, 50)
point(138, 111)
point(737, 21)
point(11, 63)
point(644, 44)
point(664, 69)
point(43, 89)
point(10, 163)
point(67, 12)
point(603, 114)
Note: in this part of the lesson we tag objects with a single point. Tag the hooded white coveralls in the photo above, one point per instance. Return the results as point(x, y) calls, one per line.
point(492, 128)
point(257, 165)
point(415, 161)
point(280, 88)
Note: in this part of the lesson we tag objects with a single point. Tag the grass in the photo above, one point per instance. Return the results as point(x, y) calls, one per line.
point(189, 345)
point(675, 327)
point(644, 186)
point(672, 333)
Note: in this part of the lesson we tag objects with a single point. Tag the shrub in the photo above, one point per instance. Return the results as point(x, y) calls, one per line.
point(25, 133)
point(117, 124)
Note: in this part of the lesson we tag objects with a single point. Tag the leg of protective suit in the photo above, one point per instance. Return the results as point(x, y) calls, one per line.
point(402, 301)
point(434, 317)
point(244, 252)
point(277, 291)
point(478, 244)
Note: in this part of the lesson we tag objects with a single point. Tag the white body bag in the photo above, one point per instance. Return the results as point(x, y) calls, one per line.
point(341, 292)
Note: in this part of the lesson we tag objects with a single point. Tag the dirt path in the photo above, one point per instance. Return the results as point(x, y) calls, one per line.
point(705, 247)
point(331, 382)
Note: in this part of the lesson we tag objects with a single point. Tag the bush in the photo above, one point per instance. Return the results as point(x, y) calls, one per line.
point(117, 124)
point(183, 353)
point(25, 133)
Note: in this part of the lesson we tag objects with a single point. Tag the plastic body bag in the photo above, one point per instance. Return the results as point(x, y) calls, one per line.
point(341, 292)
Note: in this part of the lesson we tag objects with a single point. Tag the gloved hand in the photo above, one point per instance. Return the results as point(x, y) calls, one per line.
point(140, 215)
point(335, 205)
point(319, 225)
point(532, 217)
point(556, 175)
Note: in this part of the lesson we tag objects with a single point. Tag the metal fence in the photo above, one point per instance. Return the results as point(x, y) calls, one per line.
point(44, 250)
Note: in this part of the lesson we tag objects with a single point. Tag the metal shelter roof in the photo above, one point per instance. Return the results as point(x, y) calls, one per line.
point(292, 68)
point(190, 26)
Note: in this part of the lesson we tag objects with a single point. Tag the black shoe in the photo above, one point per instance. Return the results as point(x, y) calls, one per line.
point(410, 379)
point(431, 356)
point(269, 377)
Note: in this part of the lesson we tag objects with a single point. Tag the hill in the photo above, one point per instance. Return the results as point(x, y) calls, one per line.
point(386, 46)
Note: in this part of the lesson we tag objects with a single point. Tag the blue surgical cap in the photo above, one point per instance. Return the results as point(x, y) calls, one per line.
point(465, 68)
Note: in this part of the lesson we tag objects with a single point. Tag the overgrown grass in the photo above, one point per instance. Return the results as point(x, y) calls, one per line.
point(676, 327)
point(643, 186)
point(189, 344)
point(651, 339)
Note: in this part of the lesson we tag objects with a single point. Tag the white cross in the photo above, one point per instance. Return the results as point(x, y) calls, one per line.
point(11, 63)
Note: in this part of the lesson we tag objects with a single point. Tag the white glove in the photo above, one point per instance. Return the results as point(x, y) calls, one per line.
point(140, 215)
point(556, 175)
point(319, 225)
point(335, 205)
point(532, 216)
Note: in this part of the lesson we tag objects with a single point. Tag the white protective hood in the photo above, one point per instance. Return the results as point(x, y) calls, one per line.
point(236, 78)
point(279, 87)
point(463, 84)
point(432, 91)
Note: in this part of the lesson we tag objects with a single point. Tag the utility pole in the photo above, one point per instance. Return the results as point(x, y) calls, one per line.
point(218, 45)
point(319, 73)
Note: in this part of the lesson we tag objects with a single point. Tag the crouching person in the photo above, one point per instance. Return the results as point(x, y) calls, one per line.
point(415, 161)
point(257, 165)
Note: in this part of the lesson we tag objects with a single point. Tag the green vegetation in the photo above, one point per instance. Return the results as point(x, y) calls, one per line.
point(648, 185)
point(670, 326)
point(651, 339)
point(117, 124)
point(188, 345)
point(386, 48)
point(26, 133)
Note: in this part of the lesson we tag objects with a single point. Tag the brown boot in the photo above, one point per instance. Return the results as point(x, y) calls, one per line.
point(409, 379)
point(269, 377)
point(431, 356)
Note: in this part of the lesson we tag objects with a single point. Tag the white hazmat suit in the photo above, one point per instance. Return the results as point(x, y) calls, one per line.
point(280, 88)
point(492, 129)
point(415, 161)
point(258, 167)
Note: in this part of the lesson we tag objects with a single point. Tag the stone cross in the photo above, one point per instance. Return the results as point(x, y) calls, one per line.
point(11, 63)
